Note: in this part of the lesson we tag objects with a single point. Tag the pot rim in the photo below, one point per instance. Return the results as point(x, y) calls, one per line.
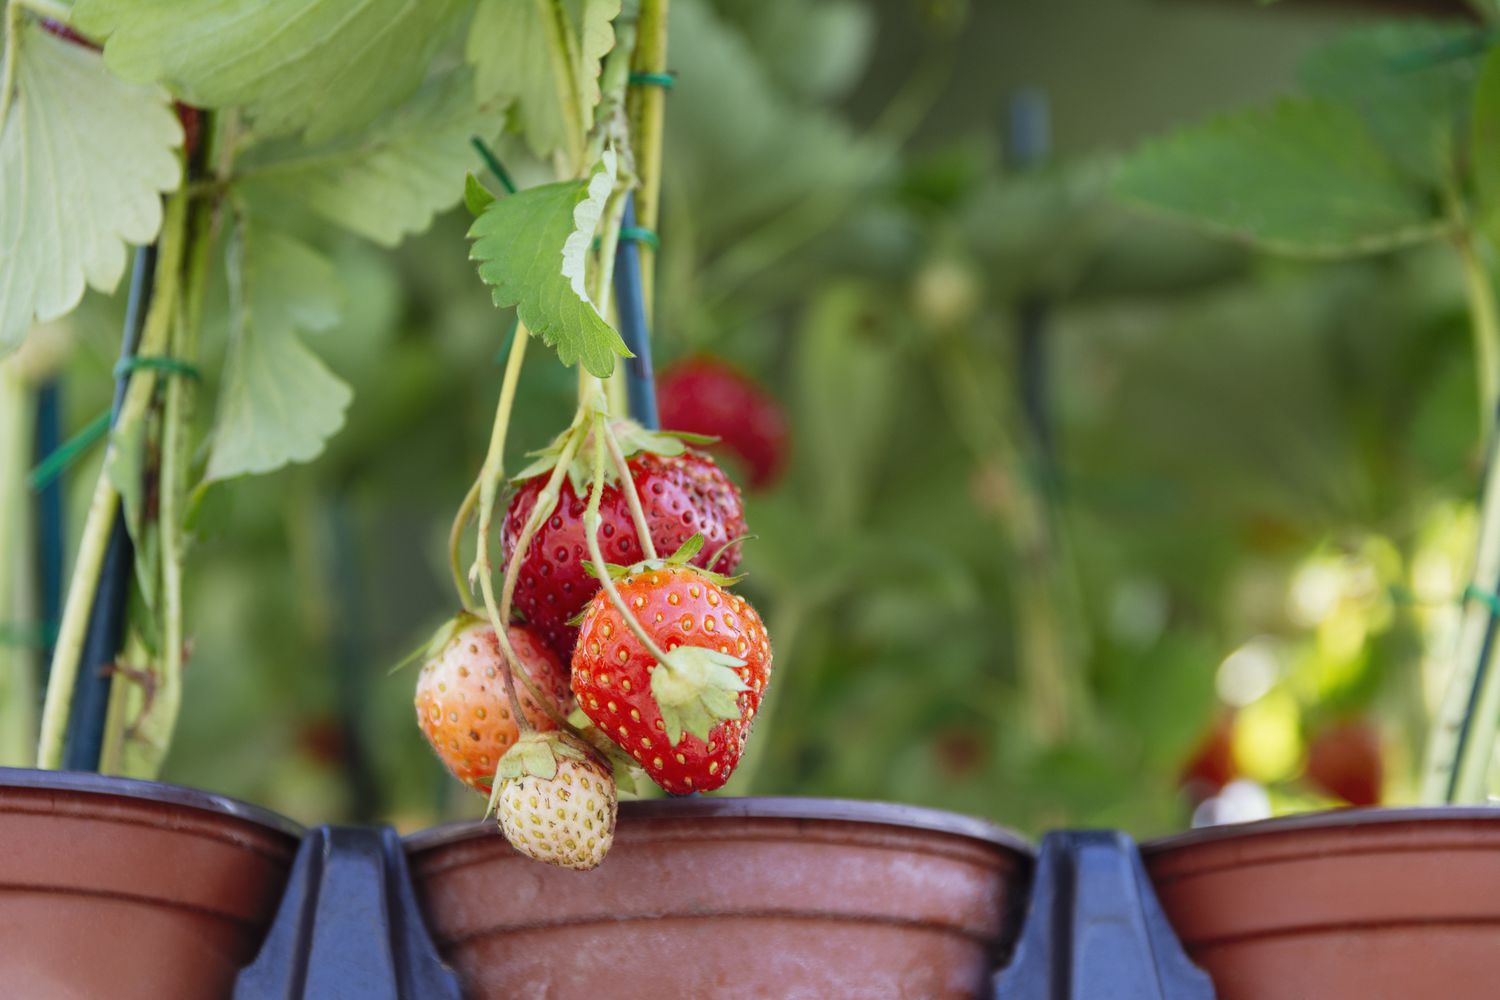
point(1325, 820)
point(770, 807)
point(89, 783)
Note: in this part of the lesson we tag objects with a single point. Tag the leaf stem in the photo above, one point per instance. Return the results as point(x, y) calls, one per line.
point(106, 499)
point(601, 568)
point(632, 495)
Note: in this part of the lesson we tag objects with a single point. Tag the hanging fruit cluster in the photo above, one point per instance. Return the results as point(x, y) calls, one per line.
point(614, 643)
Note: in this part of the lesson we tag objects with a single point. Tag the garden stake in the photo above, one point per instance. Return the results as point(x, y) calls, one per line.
point(630, 306)
point(49, 553)
point(86, 720)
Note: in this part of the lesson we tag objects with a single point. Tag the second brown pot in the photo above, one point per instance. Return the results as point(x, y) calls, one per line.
point(1375, 904)
point(792, 898)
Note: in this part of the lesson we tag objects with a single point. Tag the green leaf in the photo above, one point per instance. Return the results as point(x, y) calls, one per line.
point(1411, 108)
point(696, 688)
point(279, 403)
point(389, 181)
point(81, 178)
point(1303, 177)
point(477, 197)
point(326, 66)
point(531, 247)
point(544, 57)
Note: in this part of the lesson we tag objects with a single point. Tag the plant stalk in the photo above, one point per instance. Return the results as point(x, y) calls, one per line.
point(646, 107)
point(94, 539)
point(17, 685)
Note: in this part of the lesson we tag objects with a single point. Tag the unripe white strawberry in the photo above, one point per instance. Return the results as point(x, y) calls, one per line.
point(556, 800)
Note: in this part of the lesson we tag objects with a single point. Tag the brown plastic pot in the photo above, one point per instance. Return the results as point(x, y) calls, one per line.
point(793, 898)
point(1368, 904)
point(130, 889)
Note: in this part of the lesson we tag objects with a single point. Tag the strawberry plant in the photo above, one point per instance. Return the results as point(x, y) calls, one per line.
point(243, 164)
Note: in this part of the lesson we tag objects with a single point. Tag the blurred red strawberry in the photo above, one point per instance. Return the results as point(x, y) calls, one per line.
point(703, 395)
point(1211, 765)
point(1344, 761)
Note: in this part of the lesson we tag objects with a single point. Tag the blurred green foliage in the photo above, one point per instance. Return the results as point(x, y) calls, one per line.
point(1030, 621)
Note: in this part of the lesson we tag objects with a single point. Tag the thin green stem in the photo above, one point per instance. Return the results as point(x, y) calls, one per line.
point(1485, 325)
point(1462, 741)
point(546, 501)
point(455, 543)
point(632, 495)
point(177, 450)
point(490, 478)
point(609, 243)
point(601, 568)
point(155, 337)
point(17, 660)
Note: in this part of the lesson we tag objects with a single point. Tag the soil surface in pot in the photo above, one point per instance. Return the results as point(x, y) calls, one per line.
point(1374, 904)
point(131, 890)
point(730, 898)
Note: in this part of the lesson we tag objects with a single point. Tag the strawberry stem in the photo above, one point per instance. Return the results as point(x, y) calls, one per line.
point(455, 541)
point(490, 477)
point(632, 495)
point(601, 568)
point(546, 501)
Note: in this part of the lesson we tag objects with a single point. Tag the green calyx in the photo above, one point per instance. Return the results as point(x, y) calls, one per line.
point(444, 634)
point(535, 755)
point(677, 560)
point(633, 439)
point(695, 689)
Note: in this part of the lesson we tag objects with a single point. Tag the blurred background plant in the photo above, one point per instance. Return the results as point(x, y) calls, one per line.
point(1083, 518)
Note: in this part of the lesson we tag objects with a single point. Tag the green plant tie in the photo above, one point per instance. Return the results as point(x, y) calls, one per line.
point(640, 234)
point(163, 364)
point(493, 162)
point(666, 81)
point(63, 455)
point(1485, 597)
point(27, 636)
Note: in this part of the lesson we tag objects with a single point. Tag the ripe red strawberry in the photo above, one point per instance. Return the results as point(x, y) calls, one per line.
point(461, 702)
point(1212, 764)
point(685, 720)
point(682, 495)
point(703, 395)
point(1344, 761)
